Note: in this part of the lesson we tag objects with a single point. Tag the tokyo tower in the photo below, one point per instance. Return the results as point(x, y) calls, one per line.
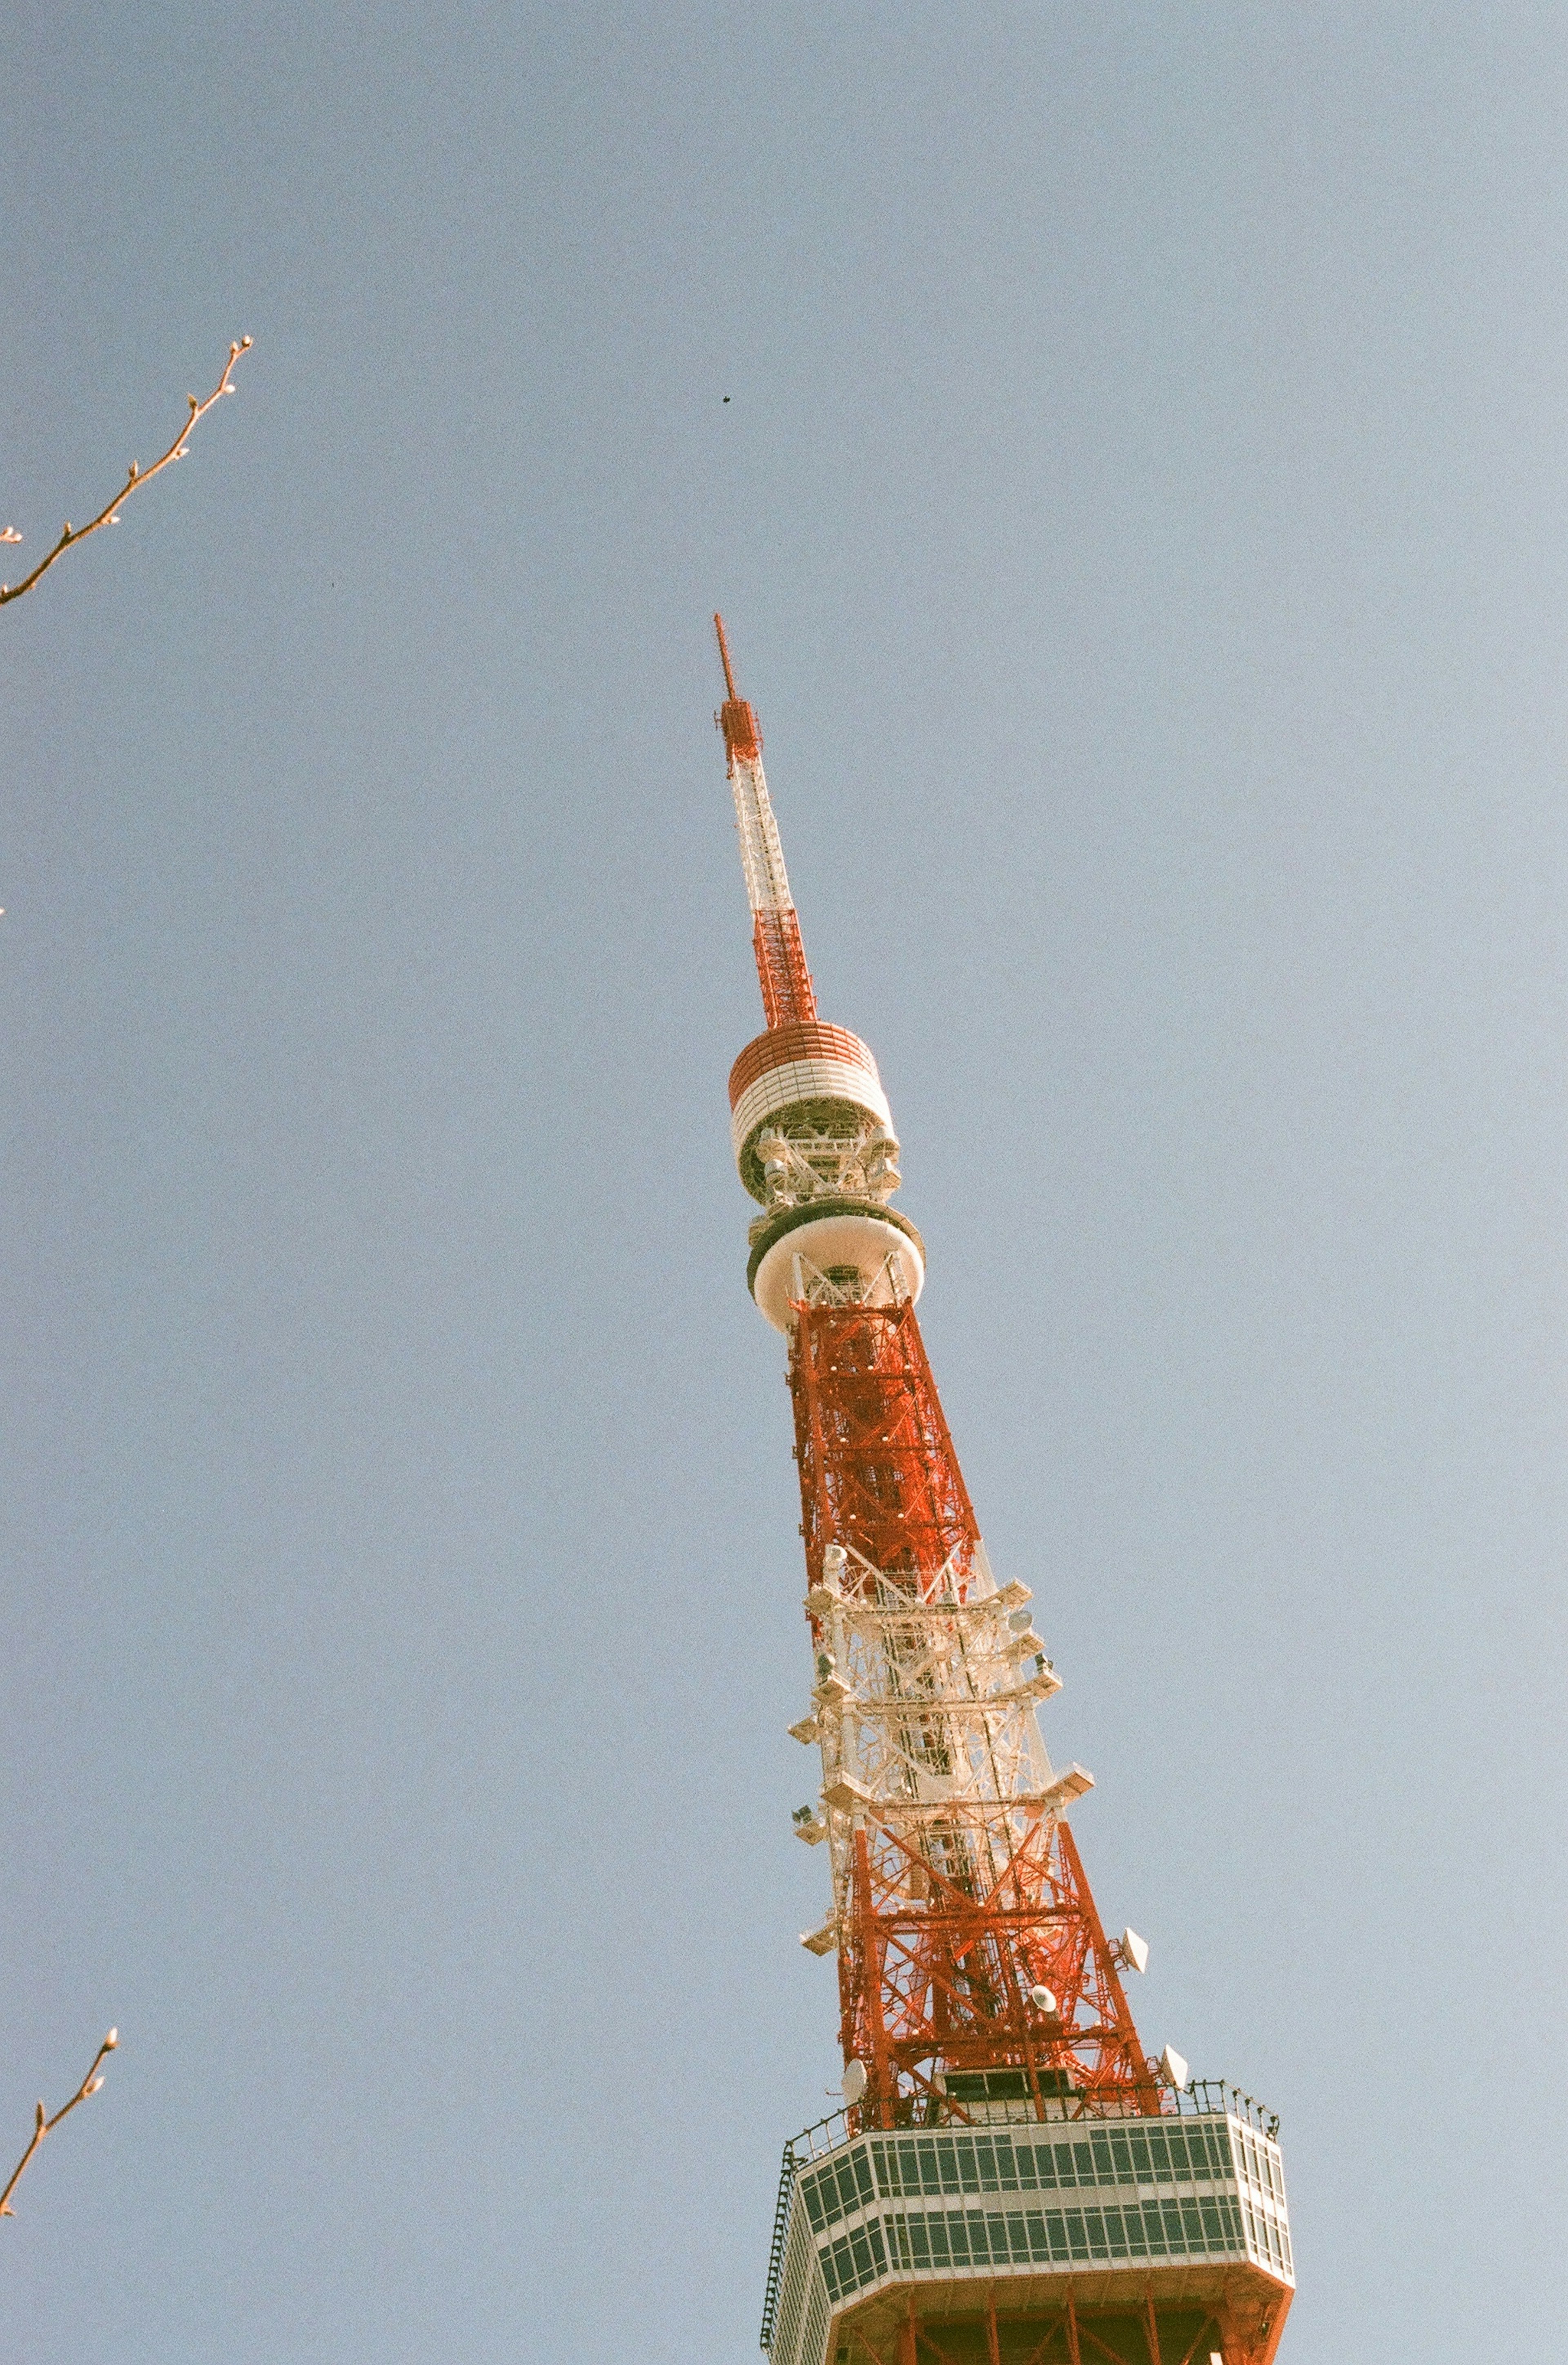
point(1011, 2180)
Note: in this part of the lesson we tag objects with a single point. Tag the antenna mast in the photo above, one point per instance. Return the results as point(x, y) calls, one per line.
point(787, 994)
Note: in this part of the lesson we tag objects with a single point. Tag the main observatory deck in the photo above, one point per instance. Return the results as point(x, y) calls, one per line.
point(1187, 2212)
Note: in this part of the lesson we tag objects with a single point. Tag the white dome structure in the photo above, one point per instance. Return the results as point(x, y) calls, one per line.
point(808, 1073)
point(878, 1255)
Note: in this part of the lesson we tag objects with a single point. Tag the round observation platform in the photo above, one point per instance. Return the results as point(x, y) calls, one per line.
point(815, 1074)
point(854, 1241)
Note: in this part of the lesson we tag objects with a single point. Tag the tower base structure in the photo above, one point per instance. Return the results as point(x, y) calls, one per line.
point(1067, 2242)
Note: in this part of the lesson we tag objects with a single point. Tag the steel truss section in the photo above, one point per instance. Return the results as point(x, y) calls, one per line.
point(878, 1471)
point(967, 1939)
point(787, 991)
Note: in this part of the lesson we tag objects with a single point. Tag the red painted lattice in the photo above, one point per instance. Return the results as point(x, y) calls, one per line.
point(951, 1922)
point(788, 994)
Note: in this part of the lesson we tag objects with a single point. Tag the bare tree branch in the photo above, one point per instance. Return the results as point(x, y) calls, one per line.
point(135, 478)
point(43, 2124)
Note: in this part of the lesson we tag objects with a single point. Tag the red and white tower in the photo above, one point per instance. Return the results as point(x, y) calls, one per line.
point(1012, 2181)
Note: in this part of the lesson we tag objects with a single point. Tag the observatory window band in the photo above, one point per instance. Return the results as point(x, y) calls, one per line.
point(1270, 2242)
point(1262, 2165)
point(793, 2295)
point(940, 2241)
point(798, 2335)
point(838, 2189)
point(1246, 2219)
point(816, 2322)
point(909, 2166)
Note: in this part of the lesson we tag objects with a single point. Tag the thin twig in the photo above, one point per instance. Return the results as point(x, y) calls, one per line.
point(43, 2124)
point(135, 479)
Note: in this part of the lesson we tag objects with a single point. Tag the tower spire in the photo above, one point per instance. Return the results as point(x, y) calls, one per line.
point(787, 993)
point(988, 2043)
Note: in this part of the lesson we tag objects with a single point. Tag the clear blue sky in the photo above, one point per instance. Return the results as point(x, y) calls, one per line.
point(1140, 513)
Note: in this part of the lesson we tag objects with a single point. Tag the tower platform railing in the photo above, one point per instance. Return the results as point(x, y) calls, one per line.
point(1200, 2099)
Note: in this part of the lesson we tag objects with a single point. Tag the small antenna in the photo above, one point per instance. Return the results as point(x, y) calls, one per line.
point(787, 994)
point(724, 653)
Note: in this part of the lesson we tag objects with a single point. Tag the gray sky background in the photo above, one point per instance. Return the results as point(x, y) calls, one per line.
point(1141, 514)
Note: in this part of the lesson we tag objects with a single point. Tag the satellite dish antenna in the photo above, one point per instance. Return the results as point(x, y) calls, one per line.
point(1172, 2068)
point(1042, 1999)
point(854, 2083)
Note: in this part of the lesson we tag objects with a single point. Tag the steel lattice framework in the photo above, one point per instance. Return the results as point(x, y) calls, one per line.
point(977, 1984)
point(787, 991)
point(959, 1889)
